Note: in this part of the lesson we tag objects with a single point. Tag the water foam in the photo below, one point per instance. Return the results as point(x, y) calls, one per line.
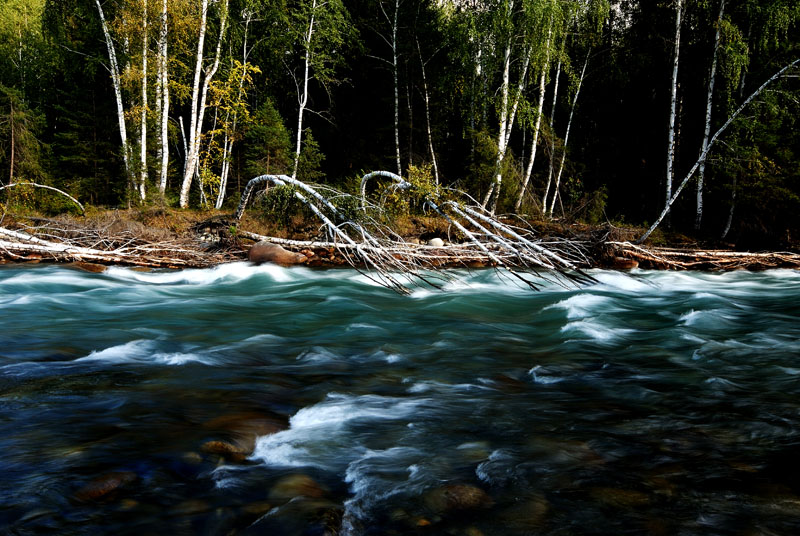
point(318, 435)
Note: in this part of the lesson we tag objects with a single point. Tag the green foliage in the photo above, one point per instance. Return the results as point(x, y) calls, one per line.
point(267, 144)
point(309, 167)
point(19, 130)
point(279, 205)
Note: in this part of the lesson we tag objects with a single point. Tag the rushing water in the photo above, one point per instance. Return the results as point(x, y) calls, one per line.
point(647, 403)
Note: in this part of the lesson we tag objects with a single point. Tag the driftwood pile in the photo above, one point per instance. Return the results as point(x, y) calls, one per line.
point(61, 241)
point(659, 258)
point(479, 240)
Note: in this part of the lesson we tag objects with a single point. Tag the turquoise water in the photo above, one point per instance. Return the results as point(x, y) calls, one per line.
point(268, 400)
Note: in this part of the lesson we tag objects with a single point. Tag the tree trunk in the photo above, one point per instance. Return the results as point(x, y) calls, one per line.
point(162, 101)
point(396, 89)
point(501, 136)
point(304, 97)
point(117, 84)
point(228, 146)
point(428, 117)
point(553, 137)
point(199, 107)
point(673, 104)
point(703, 154)
point(13, 141)
point(566, 136)
point(532, 157)
point(190, 166)
point(143, 118)
point(702, 169)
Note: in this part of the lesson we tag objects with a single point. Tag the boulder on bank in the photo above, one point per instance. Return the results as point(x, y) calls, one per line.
point(268, 252)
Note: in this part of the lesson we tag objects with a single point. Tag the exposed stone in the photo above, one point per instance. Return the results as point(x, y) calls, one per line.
point(621, 263)
point(457, 498)
point(90, 267)
point(103, 486)
point(269, 252)
point(244, 428)
point(223, 448)
point(436, 242)
point(297, 485)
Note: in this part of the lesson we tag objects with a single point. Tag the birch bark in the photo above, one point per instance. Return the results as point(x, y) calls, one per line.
point(162, 100)
point(117, 84)
point(428, 117)
point(673, 103)
point(303, 98)
point(143, 118)
point(713, 139)
point(199, 103)
point(702, 169)
point(529, 169)
point(190, 165)
point(566, 136)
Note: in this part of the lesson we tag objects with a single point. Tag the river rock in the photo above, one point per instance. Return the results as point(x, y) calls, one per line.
point(526, 515)
point(621, 263)
point(269, 252)
point(225, 449)
point(454, 498)
point(90, 267)
point(620, 498)
point(436, 242)
point(103, 486)
point(297, 485)
point(243, 429)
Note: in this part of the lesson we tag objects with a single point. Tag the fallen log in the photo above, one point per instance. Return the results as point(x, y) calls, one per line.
point(702, 259)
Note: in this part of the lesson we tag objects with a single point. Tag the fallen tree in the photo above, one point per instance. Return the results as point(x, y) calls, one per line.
point(386, 258)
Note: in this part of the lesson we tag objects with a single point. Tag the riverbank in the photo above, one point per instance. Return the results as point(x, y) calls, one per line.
point(168, 238)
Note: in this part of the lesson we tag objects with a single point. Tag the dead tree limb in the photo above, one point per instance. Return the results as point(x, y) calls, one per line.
point(45, 187)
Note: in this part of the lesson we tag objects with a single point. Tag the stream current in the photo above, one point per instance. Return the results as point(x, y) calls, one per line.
point(265, 400)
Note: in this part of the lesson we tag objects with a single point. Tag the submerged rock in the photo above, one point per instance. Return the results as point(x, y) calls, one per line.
point(457, 498)
point(269, 252)
point(225, 449)
point(620, 498)
point(104, 486)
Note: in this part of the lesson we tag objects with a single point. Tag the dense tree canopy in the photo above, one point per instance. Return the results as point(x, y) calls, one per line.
point(137, 101)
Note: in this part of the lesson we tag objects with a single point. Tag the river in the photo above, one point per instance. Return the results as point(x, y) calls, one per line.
point(269, 400)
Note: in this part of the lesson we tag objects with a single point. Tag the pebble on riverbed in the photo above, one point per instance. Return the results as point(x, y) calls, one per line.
point(104, 486)
point(457, 498)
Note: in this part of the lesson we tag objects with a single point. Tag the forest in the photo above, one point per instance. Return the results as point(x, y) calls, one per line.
point(581, 110)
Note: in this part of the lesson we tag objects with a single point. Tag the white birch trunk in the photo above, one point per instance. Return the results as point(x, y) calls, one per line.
point(673, 103)
point(566, 136)
point(713, 139)
point(162, 101)
point(501, 136)
point(532, 158)
point(191, 153)
point(552, 134)
point(228, 145)
point(117, 84)
point(143, 117)
point(428, 117)
point(303, 98)
point(709, 98)
point(396, 90)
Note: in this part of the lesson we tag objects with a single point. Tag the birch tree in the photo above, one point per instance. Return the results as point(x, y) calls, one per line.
point(114, 70)
point(673, 102)
point(322, 29)
point(707, 130)
point(201, 81)
point(162, 98)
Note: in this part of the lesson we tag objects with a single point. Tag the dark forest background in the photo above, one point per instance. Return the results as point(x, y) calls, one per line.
point(59, 120)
